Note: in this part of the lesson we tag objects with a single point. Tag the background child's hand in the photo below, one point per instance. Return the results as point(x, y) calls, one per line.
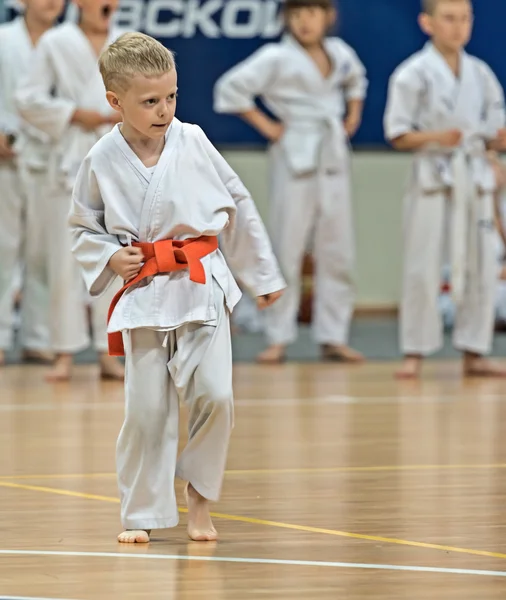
point(90, 120)
point(501, 140)
point(351, 125)
point(273, 131)
point(127, 262)
point(268, 299)
point(450, 138)
point(114, 118)
point(6, 152)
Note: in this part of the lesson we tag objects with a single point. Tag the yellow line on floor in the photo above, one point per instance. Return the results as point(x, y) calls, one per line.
point(57, 476)
point(254, 521)
point(48, 490)
point(292, 471)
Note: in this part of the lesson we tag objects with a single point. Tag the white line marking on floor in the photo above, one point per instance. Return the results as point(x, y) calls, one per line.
point(27, 598)
point(257, 561)
point(266, 402)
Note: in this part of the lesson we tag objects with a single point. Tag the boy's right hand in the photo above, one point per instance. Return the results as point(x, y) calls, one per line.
point(6, 152)
point(127, 262)
point(89, 120)
point(450, 138)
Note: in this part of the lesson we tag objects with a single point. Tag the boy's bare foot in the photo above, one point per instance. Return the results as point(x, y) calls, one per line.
point(200, 525)
point(410, 368)
point(111, 368)
point(273, 355)
point(62, 368)
point(341, 353)
point(477, 366)
point(134, 536)
point(40, 357)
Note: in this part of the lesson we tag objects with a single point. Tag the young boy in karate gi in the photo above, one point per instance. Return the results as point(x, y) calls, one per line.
point(64, 97)
point(149, 203)
point(23, 163)
point(315, 85)
point(447, 107)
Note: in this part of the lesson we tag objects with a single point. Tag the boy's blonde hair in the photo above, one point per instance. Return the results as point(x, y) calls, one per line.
point(133, 54)
point(429, 6)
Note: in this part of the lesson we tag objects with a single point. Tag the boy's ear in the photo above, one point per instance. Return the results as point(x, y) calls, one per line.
point(425, 22)
point(113, 100)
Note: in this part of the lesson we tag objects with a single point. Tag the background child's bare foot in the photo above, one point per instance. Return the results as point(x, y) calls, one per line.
point(200, 525)
point(410, 368)
point(111, 368)
point(273, 355)
point(134, 536)
point(40, 357)
point(62, 368)
point(477, 366)
point(341, 353)
point(2, 358)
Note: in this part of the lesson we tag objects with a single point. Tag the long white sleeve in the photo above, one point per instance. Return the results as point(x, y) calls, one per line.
point(403, 97)
point(494, 113)
point(92, 245)
point(35, 100)
point(245, 243)
point(355, 80)
point(236, 90)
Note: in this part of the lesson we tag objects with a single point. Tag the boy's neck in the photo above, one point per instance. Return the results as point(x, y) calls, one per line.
point(35, 27)
point(143, 146)
point(452, 57)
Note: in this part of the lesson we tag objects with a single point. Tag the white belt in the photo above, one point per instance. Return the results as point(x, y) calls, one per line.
point(464, 232)
point(302, 144)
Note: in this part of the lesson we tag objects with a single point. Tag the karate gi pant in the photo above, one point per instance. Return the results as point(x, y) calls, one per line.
point(193, 365)
point(426, 237)
point(68, 314)
point(315, 209)
point(23, 245)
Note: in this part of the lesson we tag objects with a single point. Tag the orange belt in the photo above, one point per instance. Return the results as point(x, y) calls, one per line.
point(164, 256)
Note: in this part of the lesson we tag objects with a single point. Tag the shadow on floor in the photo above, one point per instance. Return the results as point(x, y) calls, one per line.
point(376, 338)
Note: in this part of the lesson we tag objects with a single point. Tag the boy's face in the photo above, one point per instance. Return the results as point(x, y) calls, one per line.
point(450, 25)
point(148, 105)
point(97, 14)
point(309, 24)
point(45, 11)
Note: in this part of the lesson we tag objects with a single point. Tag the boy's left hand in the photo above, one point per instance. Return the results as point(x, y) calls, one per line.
point(268, 299)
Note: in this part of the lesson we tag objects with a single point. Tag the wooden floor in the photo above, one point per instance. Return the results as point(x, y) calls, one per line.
point(342, 484)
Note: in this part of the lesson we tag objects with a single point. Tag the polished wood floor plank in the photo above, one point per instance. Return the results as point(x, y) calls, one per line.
point(327, 464)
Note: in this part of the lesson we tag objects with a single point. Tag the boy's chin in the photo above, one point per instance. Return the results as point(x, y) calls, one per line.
point(156, 134)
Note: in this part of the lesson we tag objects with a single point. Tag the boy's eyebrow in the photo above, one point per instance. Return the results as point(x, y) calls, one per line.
point(148, 95)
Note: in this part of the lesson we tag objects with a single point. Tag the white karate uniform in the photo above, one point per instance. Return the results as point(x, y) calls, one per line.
point(63, 78)
point(176, 332)
point(454, 186)
point(310, 174)
point(23, 206)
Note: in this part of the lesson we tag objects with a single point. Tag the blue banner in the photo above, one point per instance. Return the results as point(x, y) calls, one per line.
point(210, 36)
